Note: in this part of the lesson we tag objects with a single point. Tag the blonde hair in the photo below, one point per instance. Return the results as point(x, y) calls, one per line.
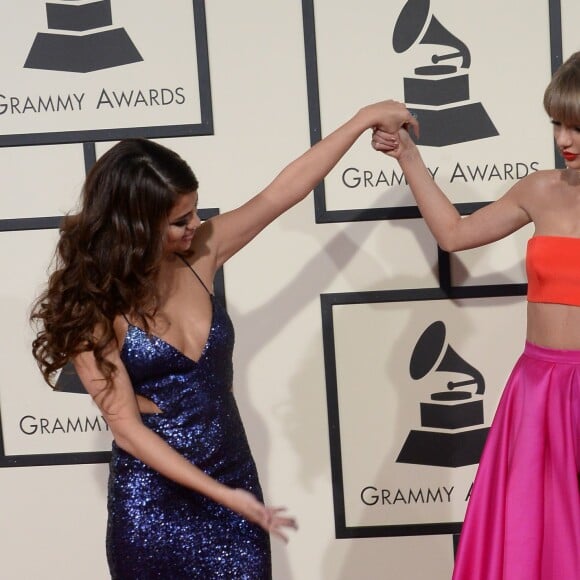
point(562, 95)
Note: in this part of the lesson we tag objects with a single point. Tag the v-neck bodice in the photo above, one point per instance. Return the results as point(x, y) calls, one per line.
point(162, 373)
point(162, 343)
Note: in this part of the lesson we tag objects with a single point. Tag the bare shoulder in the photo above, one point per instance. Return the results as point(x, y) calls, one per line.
point(545, 180)
point(536, 186)
point(538, 180)
point(203, 236)
point(202, 252)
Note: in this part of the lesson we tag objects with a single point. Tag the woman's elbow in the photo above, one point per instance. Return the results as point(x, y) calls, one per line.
point(126, 437)
point(124, 442)
point(447, 245)
point(451, 240)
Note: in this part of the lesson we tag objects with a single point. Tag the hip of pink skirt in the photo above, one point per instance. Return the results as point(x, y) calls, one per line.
point(523, 518)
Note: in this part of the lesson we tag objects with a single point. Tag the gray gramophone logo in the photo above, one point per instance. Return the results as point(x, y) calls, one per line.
point(452, 434)
point(438, 94)
point(81, 38)
point(68, 381)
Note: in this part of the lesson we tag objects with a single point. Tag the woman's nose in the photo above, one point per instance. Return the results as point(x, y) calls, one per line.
point(194, 222)
point(563, 137)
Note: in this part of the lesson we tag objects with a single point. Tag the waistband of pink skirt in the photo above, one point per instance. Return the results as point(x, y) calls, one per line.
point(551, 354)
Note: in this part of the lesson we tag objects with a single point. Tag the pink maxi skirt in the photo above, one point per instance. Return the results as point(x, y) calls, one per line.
point(523, 517)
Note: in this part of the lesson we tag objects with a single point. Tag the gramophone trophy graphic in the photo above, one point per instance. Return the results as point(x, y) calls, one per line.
point(68, 381)
point(81, 38)
point(452, 434)
point(438, 94)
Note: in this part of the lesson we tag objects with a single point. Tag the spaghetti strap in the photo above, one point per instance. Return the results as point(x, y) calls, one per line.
point(195, 273)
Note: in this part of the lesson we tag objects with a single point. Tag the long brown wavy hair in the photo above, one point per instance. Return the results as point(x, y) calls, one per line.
point(108, 255)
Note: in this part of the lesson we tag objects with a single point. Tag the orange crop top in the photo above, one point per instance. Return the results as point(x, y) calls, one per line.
point(553, 268)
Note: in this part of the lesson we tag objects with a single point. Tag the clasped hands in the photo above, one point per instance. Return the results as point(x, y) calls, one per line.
point(394, 143)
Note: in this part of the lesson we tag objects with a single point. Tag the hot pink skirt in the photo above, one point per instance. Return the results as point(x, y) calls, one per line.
point(523, 517)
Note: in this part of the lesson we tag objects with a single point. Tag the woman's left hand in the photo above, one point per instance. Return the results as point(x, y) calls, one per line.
point(390, 116)
point(268, 518)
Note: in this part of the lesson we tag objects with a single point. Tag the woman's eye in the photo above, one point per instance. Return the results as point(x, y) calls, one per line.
point(183, 221)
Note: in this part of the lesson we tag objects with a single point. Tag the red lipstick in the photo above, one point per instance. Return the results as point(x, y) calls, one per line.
point(569, 156)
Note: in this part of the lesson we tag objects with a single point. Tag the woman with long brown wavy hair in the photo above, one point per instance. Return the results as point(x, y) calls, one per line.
point(130, 302)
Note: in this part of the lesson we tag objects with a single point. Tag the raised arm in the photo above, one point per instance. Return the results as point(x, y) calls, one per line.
point(452, 231)
point(230, 231)
point(119, 407)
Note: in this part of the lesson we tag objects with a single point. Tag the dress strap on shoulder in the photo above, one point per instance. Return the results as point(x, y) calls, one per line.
point(195, 273)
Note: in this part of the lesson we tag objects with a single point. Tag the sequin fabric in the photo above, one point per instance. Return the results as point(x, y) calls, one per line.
point(157, 528)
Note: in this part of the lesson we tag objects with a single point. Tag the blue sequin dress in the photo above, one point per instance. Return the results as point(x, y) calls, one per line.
point(157, 528)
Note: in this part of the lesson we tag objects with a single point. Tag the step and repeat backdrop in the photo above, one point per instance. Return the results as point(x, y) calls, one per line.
point(412, 375)
point(403, 371)
point(80, 73)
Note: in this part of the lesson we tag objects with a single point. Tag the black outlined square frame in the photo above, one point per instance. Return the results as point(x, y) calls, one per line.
point(324, 215)
point(204, 127)
point(29, 460)
point(328, 302)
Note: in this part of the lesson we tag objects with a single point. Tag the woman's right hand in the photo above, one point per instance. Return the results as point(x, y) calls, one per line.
point(268, 518)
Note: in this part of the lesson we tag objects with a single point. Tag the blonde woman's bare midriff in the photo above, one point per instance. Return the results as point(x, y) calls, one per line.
point(554, 325)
